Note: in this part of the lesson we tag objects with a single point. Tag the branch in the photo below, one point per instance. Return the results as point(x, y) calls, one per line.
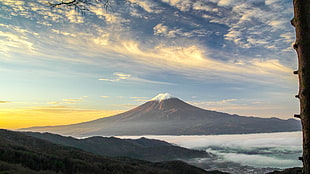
point(81, 6)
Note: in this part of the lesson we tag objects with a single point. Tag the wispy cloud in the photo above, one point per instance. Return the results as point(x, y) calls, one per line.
point(15, 37)
point(129, 77)
point(119, 76)
point(67, 101)
point(72, 99)
point(5, 102)
point(140, 99)
point(216, 102)
point(217, 105)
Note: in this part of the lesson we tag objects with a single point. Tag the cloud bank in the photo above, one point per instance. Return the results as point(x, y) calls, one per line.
point(277, 150)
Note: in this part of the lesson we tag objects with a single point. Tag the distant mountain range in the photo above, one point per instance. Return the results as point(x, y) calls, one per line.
point(20, 154)
point(166, 115)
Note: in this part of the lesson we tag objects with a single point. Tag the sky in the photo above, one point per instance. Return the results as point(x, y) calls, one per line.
point(58, 66)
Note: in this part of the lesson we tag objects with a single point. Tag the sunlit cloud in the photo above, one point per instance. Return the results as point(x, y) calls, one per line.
point(56, 108)
point(18, 38)
point(63, 33)
point(73, 100)
point(119, 76)
point(147, 5)
point(66, 101)
point(183, 5)
point(194, 60)
point(74, 17)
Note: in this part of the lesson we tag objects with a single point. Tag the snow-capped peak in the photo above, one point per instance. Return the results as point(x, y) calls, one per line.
point(161, 97)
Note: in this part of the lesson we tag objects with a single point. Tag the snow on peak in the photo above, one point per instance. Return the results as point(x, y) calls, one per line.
point(161, 97)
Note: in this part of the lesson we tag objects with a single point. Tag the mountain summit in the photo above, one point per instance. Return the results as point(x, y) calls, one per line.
point(166, 115)
point(161, 97)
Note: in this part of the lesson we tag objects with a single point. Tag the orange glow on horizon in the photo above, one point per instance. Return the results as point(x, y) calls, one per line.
point(16, 119)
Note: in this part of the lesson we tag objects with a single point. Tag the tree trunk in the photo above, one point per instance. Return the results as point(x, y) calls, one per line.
point(301, 21)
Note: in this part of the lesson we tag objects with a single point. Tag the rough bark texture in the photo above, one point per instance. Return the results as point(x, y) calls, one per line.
point(301, 21)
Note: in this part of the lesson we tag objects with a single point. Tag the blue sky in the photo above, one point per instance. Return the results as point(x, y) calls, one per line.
point(233, 56)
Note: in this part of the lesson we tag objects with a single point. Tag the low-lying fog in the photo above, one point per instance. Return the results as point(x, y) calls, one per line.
point(266, 150)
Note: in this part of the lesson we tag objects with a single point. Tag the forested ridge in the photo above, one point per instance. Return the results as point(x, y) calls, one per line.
point(20, 153)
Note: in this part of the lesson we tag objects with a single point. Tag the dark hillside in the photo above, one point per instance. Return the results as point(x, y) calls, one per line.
point(20, 153)
point(144, 149)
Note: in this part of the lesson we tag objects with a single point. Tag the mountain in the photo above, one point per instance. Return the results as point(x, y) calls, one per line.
point(144, 149)
point(20, 153)
point(166, 115)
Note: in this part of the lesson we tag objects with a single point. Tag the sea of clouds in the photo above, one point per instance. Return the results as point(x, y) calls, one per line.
point(265, 150)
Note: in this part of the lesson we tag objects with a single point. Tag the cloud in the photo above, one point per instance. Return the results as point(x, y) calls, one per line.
point(137, 97)
point(14, 37)
point(226, 2)
point(165, 31)
point(278, 150)
point(73, 100)
point(259, 106)
point(140, 99)
point(55, 108)
point(119, 76)
point(160, 29)
point(221, 105)
point(110, 18)
point(105, 96)
point(259, 160)
point(63, 33)
point(122, 76)
point(196, 62)
point(183, 5)
point(5, 102)
point(150, 7)
point(66, 101)
point(54, 103)
point(221, 102)
point(291, 140)
point(74, 17)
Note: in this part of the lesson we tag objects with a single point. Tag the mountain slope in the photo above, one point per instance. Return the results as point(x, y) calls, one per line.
point(172, 116)
point(20, 153)
point(144, 149)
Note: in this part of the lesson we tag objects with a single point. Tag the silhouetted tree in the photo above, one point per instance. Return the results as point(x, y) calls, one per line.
point(301, 22)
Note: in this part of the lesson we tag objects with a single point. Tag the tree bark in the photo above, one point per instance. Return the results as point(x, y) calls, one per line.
point(301, 21)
